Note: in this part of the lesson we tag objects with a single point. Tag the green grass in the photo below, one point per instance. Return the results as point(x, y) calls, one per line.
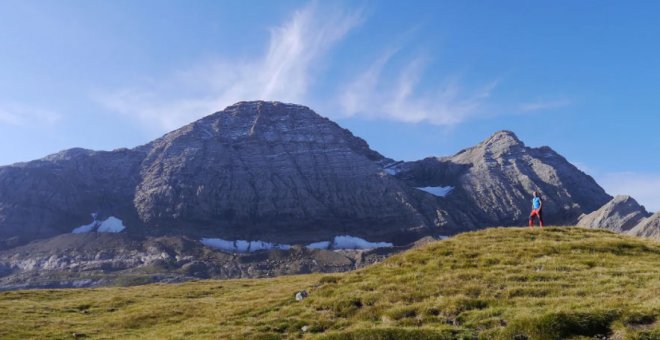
point(503, 283)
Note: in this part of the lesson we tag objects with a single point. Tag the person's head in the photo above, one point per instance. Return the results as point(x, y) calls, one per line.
point(536, 194)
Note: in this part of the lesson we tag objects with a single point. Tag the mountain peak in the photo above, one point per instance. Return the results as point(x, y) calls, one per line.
point(252, 104)
point(262, 106)
point(500, 143)
point(503, 138)
point(261, 121)
point(265, 120)
point(620, 214)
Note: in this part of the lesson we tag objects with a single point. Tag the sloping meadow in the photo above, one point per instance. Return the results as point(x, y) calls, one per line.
point(507, 283)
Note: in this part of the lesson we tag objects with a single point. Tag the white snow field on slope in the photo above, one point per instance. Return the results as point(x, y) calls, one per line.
point(109, 225)
point(437, 191)
point(339, 242)
point(85, 228)
point(242, 246)
point(319, 245)
point(351, 242)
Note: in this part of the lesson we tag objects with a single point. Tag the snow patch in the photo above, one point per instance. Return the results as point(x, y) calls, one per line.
point(347, 242)
point(390, 171)
point(219, 243)
point(85, 228)
point(339, 242)
point(241, 246)
point(109, 225)
point(319, 245)
point(352, 242)
point(392, 168)
point(437, 191)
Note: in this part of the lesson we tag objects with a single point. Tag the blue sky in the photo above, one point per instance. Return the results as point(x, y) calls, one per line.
point(413, 78)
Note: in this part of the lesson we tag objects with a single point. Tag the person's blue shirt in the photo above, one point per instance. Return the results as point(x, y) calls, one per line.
point(536, 202)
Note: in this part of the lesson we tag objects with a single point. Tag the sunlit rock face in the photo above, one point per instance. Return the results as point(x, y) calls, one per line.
point(620, 214)
point(492, 183)
point(266, 171)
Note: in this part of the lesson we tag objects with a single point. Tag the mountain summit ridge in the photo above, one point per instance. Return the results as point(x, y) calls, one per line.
point(282, 173)
point(256, 170)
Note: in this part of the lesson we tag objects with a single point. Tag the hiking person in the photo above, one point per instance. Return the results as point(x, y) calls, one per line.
point(537, 207)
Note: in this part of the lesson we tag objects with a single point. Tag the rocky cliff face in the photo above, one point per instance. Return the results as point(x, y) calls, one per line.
point(620, 215)
point(274, 172)
point(53, 195)
point(648, 227)
point(256, 170)
point(491, 183)
point(624, 215)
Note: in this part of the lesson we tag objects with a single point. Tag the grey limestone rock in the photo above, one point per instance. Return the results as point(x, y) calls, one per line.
point(257, 170)
point(494, 180)
point(648, 227)
point(274, 172)
point(620, 214)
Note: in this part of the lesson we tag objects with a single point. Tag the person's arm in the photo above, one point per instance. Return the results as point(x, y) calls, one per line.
point(541, 203)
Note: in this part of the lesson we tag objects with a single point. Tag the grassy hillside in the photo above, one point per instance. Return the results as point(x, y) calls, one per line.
point(508, 283)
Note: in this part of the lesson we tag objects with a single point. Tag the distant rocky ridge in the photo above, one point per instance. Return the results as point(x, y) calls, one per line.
point(271, 180)
point(623, 215)
point(648, 227)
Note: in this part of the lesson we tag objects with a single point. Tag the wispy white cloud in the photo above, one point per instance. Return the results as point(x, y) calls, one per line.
point(392, 87)
point(285, 72)
point(540, 105)
point(15, 114)
point(401, 98)
point(644, 187)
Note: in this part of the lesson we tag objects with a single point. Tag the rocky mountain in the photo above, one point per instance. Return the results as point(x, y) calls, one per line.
point(623, 215)
point(53, 195)
point(649, 227)
point(265, 171)
point(274, 172)
point(267, 188)
point(620, 215)
point(491, 183)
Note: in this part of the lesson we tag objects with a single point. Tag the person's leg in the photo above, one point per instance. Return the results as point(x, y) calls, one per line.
point(540, 214)
point(531, 218)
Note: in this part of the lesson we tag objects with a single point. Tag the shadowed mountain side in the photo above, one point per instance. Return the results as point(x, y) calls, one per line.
point(256, 170)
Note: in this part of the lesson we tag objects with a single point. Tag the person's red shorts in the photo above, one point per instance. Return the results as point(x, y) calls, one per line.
point(537, 213)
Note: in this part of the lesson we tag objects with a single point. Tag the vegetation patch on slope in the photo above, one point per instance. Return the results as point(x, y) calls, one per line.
point(508, 283)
